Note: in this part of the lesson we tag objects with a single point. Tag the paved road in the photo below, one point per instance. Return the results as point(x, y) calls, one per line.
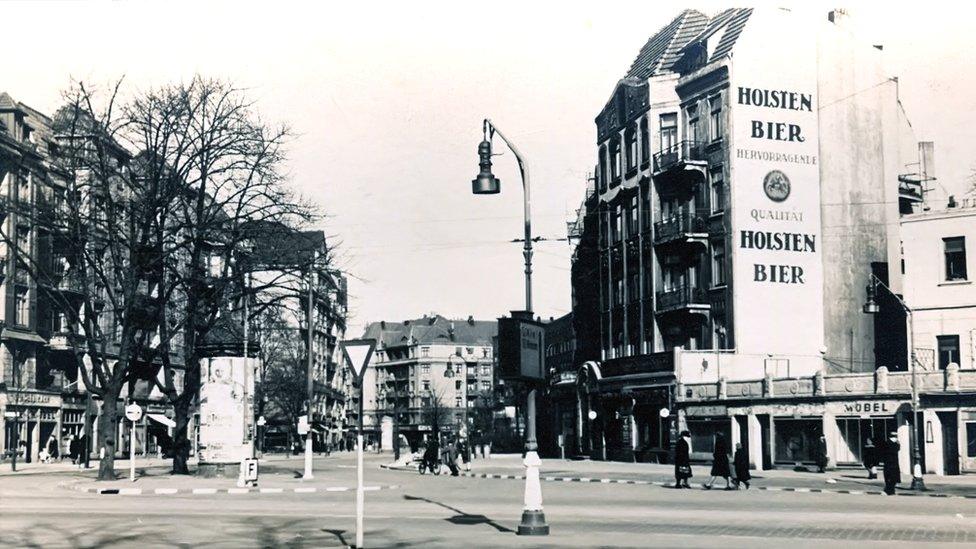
point(466, 512)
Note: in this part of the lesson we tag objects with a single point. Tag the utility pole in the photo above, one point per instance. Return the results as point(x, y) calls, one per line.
point(310, 323)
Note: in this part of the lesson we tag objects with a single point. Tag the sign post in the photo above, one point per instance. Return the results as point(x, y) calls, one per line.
point(358, 353)
point(133, 413)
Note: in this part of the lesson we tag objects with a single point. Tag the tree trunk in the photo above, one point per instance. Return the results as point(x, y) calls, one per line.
point(181, 439)
point(108, 424)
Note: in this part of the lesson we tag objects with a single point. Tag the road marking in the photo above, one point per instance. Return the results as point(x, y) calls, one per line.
point(165, 491)
point(238, 490)
point(337, 489)
point(130, 491)
point(204, 490)
point(304, 490)
point(271, 490)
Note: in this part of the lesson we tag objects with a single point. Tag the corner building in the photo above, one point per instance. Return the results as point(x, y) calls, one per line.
point(747, 188)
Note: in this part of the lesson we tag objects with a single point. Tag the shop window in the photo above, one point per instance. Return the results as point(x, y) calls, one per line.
point(948, 350)
point(796, 439)
point(703, 433)
point(971, 439)
point(955, 257)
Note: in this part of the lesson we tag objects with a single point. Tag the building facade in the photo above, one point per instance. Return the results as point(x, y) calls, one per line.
point(752, 170)
point(427, 374)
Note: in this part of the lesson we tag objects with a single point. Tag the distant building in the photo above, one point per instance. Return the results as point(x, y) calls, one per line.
point(425, 371)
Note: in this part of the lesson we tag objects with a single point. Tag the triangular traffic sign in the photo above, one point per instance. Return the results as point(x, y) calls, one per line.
point(358, 352)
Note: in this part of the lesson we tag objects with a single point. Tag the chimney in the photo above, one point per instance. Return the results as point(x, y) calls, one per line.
point(952, 202)
point(382, 325)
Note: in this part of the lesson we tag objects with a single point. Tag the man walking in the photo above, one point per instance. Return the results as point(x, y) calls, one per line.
point(892, 471)
point(822, 458)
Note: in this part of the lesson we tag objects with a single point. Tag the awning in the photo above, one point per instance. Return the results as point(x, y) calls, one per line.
point(160, 418)
point(22, 336)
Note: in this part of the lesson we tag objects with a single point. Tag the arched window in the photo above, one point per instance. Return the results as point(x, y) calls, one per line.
point(630, 141)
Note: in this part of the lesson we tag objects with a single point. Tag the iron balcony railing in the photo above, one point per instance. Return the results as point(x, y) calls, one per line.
point(680, 298)
point(682, 151)
point(679, 225)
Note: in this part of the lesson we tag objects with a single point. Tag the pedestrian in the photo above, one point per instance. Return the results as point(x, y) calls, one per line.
point(449, 455)
point(720, 462)
point(73, 449)
point(821, 454)
point(682, 460)
point(741, 462)
point(464, 448)
point(870, 457)
point(892, 471)
point(430, 454)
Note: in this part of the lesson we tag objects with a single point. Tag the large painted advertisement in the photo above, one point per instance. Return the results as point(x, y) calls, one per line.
point(776, 240)
point(226, 409)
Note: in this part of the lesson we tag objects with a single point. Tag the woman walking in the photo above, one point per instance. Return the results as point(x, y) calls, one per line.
point(741, 463)
point(870, 458)
point(682, 461)
point(720, 462)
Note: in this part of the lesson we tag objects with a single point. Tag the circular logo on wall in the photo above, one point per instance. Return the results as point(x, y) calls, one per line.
point(777, 186)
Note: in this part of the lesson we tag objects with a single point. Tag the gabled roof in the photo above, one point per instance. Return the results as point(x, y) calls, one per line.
point(661, 50)
point(432, 330)
point(729, 22)
point(7, 103)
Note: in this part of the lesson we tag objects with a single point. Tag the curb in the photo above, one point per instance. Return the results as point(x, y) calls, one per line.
point(210, 491)
point(551, 478)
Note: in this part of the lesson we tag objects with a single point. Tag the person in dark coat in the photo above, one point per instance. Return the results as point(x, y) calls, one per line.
point(74, 446)
point(720, 462)
point(682, 460)
point(870, 456)
point(892, 471)
point(741, 462)
point(449, 455)
point(821, 456)
point(431, 452)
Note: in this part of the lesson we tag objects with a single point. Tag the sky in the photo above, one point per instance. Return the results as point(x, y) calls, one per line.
point(387, 100)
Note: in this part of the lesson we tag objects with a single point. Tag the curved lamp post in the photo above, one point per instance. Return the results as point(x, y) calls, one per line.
point(871, 307)
point(533, 519)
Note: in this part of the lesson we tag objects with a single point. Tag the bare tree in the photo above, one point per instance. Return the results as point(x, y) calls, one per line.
point(285, 369)
point(436, 414)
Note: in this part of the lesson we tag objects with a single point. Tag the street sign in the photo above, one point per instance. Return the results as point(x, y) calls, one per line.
point(358, 352)
point(250, 470)
point(8, 413)
point(521, 347)
point(133, 412)
point(262, 422)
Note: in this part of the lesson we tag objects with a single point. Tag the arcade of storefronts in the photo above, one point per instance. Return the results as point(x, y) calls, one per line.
point(779, 421)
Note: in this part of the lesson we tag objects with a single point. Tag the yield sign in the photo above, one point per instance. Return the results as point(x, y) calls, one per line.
point(358, 352)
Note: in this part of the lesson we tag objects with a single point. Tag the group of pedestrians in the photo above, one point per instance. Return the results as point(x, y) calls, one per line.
point(884, 451)
point(720, 464)
point(449, 453)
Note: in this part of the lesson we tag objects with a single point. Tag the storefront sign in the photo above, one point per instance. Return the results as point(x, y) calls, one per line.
point(706, 411)
point(776, 234)
point(35, 398)
point(864, 407)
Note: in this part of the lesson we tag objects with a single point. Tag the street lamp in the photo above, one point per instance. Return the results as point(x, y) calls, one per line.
point(872, 307)
point(533, 519)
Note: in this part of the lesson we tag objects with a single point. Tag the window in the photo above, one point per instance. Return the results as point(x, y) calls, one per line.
point(425, 385)
point(23, 309)
point(718, 190)
point(425, 369)
point(618, 292)
point(630, 138)
point(425, 351)
point(692, 134)
point(485, 385)
point(645, 142)
point(457, 385)
point(955, 257)
point(971, 439)
point(486, 369)
point(715, 118)
point(633, 289)
point(615, 227)
point(458, 402)
point(948, 350)
point(718, 263)
point(669, 131)
point(634, 227)
point(615, 159)
point(484, 352)
point(602, 176)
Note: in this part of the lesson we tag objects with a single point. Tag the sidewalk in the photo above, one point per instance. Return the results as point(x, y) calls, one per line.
point(839, 480)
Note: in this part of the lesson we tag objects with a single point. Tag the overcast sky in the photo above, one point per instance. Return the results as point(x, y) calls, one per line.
point(387, 100)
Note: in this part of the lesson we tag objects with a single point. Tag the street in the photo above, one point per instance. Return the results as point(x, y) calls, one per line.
point(38, 510)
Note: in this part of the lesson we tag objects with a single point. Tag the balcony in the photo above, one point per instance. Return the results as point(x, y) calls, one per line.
point(910, 187)
point(686, 298)
point(653, 363)
point(685, 227)
point(684, 157)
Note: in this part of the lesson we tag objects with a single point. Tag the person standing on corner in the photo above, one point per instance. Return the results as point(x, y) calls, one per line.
point(682, 460)
point(870, 459)
point(822, 458)
point(892, 471)
point(720, 462)
point(741, 462)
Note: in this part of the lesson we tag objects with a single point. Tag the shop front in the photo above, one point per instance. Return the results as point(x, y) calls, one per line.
point(857, 423)
point(30, 422)
point(704, 423)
